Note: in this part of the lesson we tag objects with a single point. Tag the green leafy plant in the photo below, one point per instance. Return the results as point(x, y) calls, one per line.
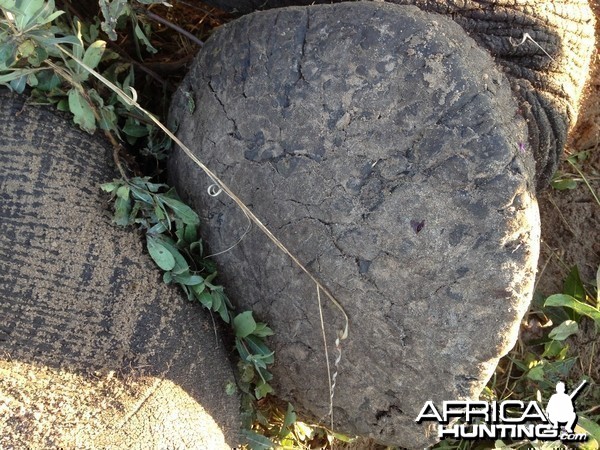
point(31, 33)
point(277, 426)
point(575, 300)
point(173, 242)
point(115, 12)
point(27, 39)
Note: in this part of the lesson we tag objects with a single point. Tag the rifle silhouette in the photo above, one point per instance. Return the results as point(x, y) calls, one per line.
point(576, 391)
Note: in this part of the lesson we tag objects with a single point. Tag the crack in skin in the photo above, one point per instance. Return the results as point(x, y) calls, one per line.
point(303, 48)
point(235, 134)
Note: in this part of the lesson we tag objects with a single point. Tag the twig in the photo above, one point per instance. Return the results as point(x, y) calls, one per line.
point(173, 26)
point(331, 387)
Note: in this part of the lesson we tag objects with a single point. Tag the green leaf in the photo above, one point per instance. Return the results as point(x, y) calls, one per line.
point(122, 211)
point(591, 427)
point(259, 363)
point(28, 10)
point(577, 306)
point(144, 183)
point(199, 289)
point(123, 192)
point(40, 16)
point(26, 48)
point(112, 11)
point(83, 115)
point(12, 75)
point(51, 17)
point(8, 4)
point(564, 184)
point(181, 264)
point(142, 37)
point(246, 372)
point(224, 313)
point(559, 369)
point(217, 300)
point(262, 330)
point(262, 390)
point(289, 419)
point(573, 285)
point(135, 130)
point(38, 56)
point(161, 213)
point(564, 330)
point(255, 441)
point(188, 279)
point(158, 228)
point(553, 349)
point(63, 105)
point(8, 52)
point(203, 295)
point(257, 346)
point(190, 234)
point(142, 195)
point(160, 254)
point(72, 40)
point(95, 98)
point(47, 80)
point(32, 80)
point(209, 280)
point(536, 373)
point(94, 53)
point(242, 349)
point(181, 210)
point(244, 324)
point(342, 437)
point(111, 187)
point(231, 388)
point(108, 118)
point(18, 84)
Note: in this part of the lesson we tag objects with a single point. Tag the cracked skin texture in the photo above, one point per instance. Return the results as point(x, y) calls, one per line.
point(548, 88)
point(95, 351)
point(341, 127)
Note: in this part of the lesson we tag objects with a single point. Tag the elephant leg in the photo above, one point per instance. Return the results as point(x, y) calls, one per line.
point(95, 351)
point(547, 70)
point(383, 146)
